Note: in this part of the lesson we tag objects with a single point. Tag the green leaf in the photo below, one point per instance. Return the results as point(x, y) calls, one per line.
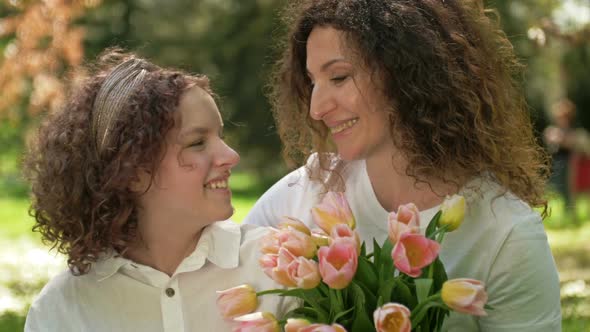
point(423, 287)
point(386, 260)
point(342, 314)
point(431, 229)
point(376, 254)
point(366, 274)
point(385, 291)
point(418, 316)
point(439, 274)
point(363, 250)
point(403, 294)
point(362, 322)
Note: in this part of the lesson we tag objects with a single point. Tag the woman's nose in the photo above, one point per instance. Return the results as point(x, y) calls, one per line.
point(321, 103)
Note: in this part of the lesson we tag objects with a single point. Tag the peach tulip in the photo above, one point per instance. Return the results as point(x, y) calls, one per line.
point(405, 220)
point(298, 243)
point(237, 301)
point(269, 243)
point(296, 324)
point(465, 295)
point(289, 222)
point(257, 322)
point(279, 269)
point(392, 317)
point(333, 210)
point(343, 232)
point(319, 237)
point(268, 262)
point(305, 273)
point(413, 252)
point(338, 263)
point(289, 270)
point(453, 212)
point(323, 328)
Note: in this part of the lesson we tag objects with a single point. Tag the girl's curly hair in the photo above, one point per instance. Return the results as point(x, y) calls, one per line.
point(84, 158)
point(451, 83)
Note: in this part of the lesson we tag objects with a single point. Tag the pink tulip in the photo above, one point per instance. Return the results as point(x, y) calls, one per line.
point(338, 263)
point(343, 232)
point(333, 210)
point(257, 322)
point(237, 301)
point(465, 295)
point(392, 317)
point(296, 324)
point(323, 328)
point(406, 220)
point(413, 252)
point(298, 243)
point(289, 222)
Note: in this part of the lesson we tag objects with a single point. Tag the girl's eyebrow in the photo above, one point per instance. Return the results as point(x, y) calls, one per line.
point(194, 131)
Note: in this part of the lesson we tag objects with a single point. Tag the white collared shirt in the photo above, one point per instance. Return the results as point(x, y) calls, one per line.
point(501, 242)
point(121, 295)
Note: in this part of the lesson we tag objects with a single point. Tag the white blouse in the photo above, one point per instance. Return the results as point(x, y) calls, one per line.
point(121, 295)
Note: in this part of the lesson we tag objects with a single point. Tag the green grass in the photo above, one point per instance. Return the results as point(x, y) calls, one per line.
point(14, 219)
point(568, 242)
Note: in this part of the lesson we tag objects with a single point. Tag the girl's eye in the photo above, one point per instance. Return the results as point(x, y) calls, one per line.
point(197, 144)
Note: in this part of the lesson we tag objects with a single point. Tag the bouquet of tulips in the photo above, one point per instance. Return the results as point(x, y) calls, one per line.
point(400, 286)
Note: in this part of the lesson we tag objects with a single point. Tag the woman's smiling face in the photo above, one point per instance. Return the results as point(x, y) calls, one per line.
point(344, 97)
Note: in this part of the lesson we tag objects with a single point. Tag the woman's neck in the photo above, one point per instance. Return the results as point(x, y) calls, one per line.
point(161, 245)
point(393, 187)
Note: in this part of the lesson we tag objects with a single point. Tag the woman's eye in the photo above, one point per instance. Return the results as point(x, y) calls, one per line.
point(339, 79)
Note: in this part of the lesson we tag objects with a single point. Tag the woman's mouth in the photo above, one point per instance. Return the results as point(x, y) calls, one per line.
point(343, 126)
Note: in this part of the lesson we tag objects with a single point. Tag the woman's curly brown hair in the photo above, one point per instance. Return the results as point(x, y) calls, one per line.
point(81, 196)
point(449, 75)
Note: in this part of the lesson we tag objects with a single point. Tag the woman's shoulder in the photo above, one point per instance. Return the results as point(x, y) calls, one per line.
point(498, 210)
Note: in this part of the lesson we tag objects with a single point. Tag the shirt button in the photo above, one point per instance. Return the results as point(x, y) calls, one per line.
point(170, 292)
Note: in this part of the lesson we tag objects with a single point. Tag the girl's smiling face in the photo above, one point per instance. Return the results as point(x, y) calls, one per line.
point(191, 182)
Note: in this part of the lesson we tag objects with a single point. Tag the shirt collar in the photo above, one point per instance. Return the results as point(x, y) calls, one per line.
point(219, 243)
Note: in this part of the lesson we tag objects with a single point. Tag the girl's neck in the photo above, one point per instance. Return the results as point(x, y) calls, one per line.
point(162, 247)
point(393, 187)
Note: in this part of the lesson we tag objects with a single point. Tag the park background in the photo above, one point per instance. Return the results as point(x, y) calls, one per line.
point(43, 45)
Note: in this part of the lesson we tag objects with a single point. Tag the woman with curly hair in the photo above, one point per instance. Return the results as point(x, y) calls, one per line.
point(129, 181)
point(399, 101)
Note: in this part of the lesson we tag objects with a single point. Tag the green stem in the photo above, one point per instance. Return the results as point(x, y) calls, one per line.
point(421, 305)
point(271, 291)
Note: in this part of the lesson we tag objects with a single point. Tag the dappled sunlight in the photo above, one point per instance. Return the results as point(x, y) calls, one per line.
point(26, 267)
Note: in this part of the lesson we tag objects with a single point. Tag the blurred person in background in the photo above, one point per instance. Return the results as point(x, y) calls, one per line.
point(569, 147)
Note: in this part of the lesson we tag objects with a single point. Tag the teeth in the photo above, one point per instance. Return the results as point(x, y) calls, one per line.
point(217, 185)
point(343, 126)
